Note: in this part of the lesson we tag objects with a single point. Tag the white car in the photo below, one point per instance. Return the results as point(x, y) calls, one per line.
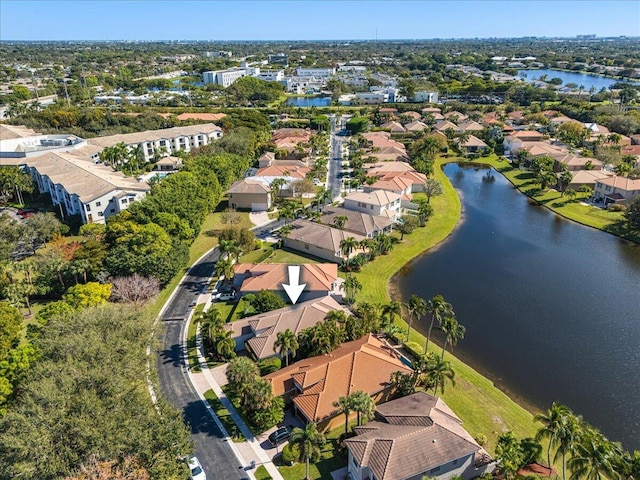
point(197, 473)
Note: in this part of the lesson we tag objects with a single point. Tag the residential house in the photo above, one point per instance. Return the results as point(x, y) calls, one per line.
point(412, 115)
point(445, 125)
point(259, 333)
point(358, 222)
point(296, 171)
point(319, 240)
point(616, 189)
point(8, 132)
point(633, 150)
point(249, 194)
point(515, 140)
point(415, 437)
point(377, 202)
point(588, 178)
point(313, 384)
point(168, 164)
point(399, 185)
point(472, 145)
point(560, 119)
point(92, 191)
point(455, 116)
point(383, 148)
point(417, 179)
point(321, 279)
point(393, 127)
point(288, 139)
point(416, 126)
point(469, 126)
point(154, 143)
point(202, 117)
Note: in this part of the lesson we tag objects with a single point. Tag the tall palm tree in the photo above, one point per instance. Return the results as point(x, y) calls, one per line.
point(594, 458)
point(348, 245)
point(322, 197)
point(363, 405)
point(572, 429)
point(287, 343)
point(351, 286)
point(225, 345)
point(344, 406)
point(225, 267)
point(210, 323)
point(453, 332)
point(417, 307)
point(551, 421)
point(438, 372)
point(438, 308)
point(309, 442)
point(228, 248)
point(390, 312)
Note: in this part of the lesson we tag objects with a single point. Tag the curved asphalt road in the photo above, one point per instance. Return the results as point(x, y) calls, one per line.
point(217, 458)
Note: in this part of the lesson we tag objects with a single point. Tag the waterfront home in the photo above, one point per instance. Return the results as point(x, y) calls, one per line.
point(516, 140)
point(399, 185)
point(414, 437)
point(313, 384)
point(472, 145)
point(376, 202)
point(249, 194)
point(321, 279)
point(259, 333)
point(616, 189)
point(358, 222)
point(588, 178)
point(319, 240)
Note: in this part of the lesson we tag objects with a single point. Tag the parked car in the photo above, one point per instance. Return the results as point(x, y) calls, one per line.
point(226, 296)
point(282, 434)
point(195, 468)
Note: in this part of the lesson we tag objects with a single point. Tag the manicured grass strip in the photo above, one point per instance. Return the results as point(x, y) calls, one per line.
point(287, 256)
point(225, 417)
point(262, 474)
point(192, 351)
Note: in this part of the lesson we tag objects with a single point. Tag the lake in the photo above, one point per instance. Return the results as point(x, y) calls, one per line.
point(584, 79)
point(551, 308)
point(309, 101)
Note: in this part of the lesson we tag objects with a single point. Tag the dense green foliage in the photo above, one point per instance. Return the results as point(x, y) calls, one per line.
point(266, 300)
point(87, 396)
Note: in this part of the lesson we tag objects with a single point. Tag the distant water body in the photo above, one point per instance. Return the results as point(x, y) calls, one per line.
point(551, 308)
point(309, 101)
point(585, 79)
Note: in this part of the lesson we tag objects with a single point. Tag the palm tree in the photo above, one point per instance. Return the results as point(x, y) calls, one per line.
point(351, 286)
point(344, 406)
point(417, 307)
point(228, 248)
point(438, 307)
point(594, 458)
point(322, 197)
point(453, 332)
point(390, 312)
point(551, 421)
point(569, 435)
point(210, 323)
point(339, 221)
point(348, 245)
point(438, 372)
point(286, 212)
point(225, 345)
point(287, 343)
point(225, 267)
point(276, 187)
point(363, 405)
point(309, 442)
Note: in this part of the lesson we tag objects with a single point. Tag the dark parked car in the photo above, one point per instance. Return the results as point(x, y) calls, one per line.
point(282, 434)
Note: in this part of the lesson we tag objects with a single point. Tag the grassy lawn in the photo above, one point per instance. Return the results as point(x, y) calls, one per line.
point(288, 256)
point(192, 351)
point(262, 474)
point(482, 407)
point(328, 462)
point(258, 256)
point(232, 311)
point(610, 222)
point(225, 418)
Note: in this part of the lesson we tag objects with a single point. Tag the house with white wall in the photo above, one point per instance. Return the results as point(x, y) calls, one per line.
point(377, 202)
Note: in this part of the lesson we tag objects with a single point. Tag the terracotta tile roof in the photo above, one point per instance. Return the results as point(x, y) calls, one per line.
point(411, 435)
point(416, 126)
point(392, 127)
point(445, 125)
point(631, 150)
point(359, 222)
point(248, 186)
point(288, 138)
point(271, 276)
point(621, 183)
point(393, 184)
point(375, 197)
point(529, 135)
point(411, 114)
point(473, 141)
point(293, 171)
point(431, 110)
point(383, 167)
point(365, 364)
point(296, 318)
point(470, 126)
point(589, 176)
point(208, 117)
point(460, 116)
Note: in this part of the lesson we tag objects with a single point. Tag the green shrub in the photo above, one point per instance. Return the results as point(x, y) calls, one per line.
point(615, 207)
point(269, 365)
point(289, 454)
point(414, 349)
point(481, 439)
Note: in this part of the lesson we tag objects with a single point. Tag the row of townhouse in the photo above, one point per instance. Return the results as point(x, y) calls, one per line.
point(158, 143)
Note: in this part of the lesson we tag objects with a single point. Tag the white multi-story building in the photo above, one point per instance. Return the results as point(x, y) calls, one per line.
point(81, 187)
point(219, 54)
point(272, 75)
point(224, 77)
point(35, 145)
point(378, 202)
point(424, 96)
point(155, 143)
point(315, 72)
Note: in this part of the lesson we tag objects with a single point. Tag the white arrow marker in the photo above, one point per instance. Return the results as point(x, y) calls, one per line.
point(294, 288)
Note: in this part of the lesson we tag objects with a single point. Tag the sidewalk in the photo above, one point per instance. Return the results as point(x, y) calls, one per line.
point(250, 450)
point(259, 218)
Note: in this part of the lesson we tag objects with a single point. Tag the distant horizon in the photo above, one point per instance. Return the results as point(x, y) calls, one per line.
point(318, 20)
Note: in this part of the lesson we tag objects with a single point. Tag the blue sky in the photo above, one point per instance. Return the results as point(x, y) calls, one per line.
point(312, 20)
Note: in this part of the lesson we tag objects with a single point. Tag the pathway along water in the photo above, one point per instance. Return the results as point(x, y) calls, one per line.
point(552, 308)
